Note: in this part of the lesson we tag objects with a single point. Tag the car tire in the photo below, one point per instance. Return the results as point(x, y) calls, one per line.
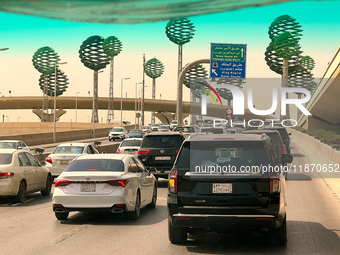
point(48, 187)
point(61, 215)
point(177, 235)
point(154, 198)
point(136, 213)
point(21, 196)
point(278, 236)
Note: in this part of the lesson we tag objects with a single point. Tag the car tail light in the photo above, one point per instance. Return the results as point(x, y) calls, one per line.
point(141, 151)
point(118, 183)
point(61, 183)
point(117, 150)
point(173, 181)
point(262, 218)
point(6, 175)
point(287, 138)
point(183, 218)
point(177, 151)
point(281, 149)
point(274, 182)
point(48, 159)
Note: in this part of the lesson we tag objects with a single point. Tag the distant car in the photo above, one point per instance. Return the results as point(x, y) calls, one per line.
point(13, 144)
point(216, 130)
point(173, 124)
point(145, 129)
point(126, 122)
point(22, 173)
point(105, 182)
point(117, 133)
point(64, 153)
point(219, 122)
point(129, 146)
point(135, 133)
point(159, 150)
point(164, 128)
point(199, 122)
point(154, 129)
point(284, 135)
point(185, 129)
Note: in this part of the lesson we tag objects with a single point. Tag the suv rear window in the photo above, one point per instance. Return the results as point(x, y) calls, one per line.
point(222, 153)
point(95, 165)
point(162, 141)
point(127, 143)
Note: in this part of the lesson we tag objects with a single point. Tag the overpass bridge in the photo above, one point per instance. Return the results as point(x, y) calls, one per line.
point(164, 109)
point(324, 104)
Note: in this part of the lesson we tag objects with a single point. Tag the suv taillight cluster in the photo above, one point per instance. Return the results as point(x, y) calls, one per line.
point(173, 181)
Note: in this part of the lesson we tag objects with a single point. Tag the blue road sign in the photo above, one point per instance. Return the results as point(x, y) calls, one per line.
point(228, 60)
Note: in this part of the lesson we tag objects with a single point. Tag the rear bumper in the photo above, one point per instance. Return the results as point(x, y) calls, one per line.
point(113, 209)
point(225, 222)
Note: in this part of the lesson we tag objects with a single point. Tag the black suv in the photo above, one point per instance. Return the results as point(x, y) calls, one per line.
point(218, 183)
point(159, 150)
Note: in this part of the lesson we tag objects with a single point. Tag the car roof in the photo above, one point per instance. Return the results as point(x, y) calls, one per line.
point(9, 150)
point(104, 156)
point(11, 141)
point(132, 139)
point(227, 137)
point(260, 131)
point(73, 144)
point(163, 133)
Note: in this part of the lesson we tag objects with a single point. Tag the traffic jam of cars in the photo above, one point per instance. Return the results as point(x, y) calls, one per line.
point(202, 163)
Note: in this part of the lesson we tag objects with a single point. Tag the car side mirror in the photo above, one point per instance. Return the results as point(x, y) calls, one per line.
point(43, 163)
point(19, 148)
point(286, 158)
point(289, 133)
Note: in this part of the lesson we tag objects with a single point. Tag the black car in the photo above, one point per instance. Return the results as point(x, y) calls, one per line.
point(159, 150)
point(205, 198)
point(284, 135)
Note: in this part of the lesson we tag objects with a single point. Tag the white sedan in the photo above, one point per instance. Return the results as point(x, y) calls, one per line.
point(129, 146)
point(115, 183)
point(64, 153)
point(13, 144)
point(22, 173)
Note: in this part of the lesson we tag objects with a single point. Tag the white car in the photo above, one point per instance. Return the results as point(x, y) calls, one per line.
point(129, 146)
point(22, 173)
point(173, 124)
point(64, 153)
point(117, 133)
point(114, 183)
point(13, 144)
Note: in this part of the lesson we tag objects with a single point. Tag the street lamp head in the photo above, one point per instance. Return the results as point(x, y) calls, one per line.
point(3, 49)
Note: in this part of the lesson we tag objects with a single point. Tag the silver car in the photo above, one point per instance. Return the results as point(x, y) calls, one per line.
point(129, 146)
point(64, 153)
point(117, 133)
point(13, 144)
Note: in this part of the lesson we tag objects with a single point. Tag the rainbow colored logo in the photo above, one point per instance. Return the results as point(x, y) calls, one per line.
point(209, 93)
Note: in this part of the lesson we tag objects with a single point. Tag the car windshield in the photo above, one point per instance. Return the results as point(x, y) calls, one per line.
point(162, 141)
point(7, 145)
point(128, 143)
point(68, 150)
point(117, 129)
point(5, 158)
point(109, 165)
point(222, 153)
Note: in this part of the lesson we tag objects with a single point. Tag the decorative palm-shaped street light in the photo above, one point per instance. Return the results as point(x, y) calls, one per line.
point(62, 83)
point(286, 45)
point(92, 55)
point(112, 46)
point(45, 60)
point(154, 69)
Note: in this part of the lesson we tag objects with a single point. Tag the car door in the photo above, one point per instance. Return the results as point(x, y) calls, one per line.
point(146, 180)
point(40, 174)
point(28, 171)
point(132, 168)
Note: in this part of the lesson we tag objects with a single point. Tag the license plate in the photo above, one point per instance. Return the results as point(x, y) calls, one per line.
point(163, 158)
point(222, 188)
point(87, 187)
point(63, 162)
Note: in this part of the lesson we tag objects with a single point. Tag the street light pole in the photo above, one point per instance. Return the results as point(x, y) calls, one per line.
point(121, 101)
point(55, 98)
point(76, 104)
point(136, 105)
point(95, 92)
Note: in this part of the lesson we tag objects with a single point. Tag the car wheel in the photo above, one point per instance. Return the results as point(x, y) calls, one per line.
point(20, 197)
point(61, 216)
point(136, 213)
point(177, 235)
point(48, 187)
point(154, 198)
point(278, 236)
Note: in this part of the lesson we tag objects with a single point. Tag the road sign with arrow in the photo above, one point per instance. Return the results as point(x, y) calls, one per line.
point(228, 60)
